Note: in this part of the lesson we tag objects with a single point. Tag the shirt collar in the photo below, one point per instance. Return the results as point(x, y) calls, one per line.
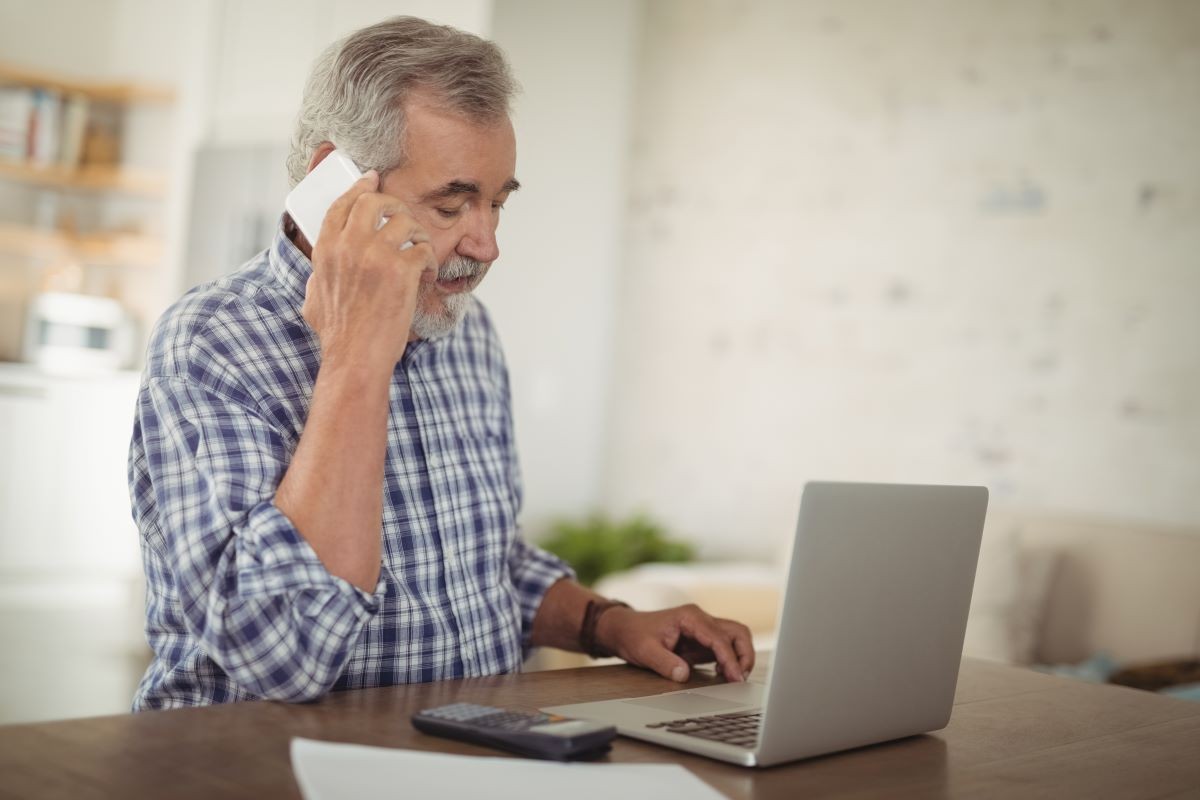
point(290, 267)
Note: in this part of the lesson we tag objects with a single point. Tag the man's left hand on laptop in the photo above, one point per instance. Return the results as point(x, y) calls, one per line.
point(670, 641)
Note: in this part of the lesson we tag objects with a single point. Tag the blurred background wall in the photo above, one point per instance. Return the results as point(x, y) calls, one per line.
point(917, 241)
point(757, 243)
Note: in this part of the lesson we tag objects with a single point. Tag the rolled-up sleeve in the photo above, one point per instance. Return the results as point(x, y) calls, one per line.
point(533, 572)
point(252, 591)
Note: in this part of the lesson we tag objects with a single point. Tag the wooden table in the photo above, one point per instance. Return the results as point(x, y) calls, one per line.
point(1014, 733)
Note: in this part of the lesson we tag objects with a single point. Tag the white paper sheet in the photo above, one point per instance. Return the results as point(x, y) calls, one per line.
point(330, 771)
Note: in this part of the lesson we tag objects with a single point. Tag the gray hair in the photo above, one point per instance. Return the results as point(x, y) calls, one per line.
point(356, 93)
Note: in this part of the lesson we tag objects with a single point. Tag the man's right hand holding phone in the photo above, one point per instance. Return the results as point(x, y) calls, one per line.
point(362, 294)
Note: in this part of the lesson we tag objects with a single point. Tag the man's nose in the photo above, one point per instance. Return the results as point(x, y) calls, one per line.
point(479, 242)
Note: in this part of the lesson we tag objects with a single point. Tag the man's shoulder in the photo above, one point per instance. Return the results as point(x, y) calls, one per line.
point(228, 320)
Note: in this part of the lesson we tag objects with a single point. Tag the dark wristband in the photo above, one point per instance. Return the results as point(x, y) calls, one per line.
point(587, 631)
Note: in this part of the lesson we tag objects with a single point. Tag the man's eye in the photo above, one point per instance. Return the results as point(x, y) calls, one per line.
point(449, 213)
point(496, 206)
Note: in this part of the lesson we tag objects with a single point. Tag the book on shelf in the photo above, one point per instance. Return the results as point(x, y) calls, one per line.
point(73, 131)
point(43, 128)
point(16, 111)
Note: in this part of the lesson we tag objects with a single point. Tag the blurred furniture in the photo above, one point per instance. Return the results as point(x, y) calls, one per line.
point(1131, 590)
point(84, 201)
point(71, 598)
point(1162, 675)
point(78, 207)
point(1013, 733)
point(1049, 589)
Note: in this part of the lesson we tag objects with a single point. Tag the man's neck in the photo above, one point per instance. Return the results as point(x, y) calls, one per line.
point(292, 231)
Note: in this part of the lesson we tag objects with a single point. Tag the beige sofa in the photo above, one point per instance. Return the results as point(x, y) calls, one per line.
point(1127, 589)
point(1049, 589)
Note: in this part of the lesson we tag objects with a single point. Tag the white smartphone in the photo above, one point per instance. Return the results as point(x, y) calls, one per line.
point(312, 197)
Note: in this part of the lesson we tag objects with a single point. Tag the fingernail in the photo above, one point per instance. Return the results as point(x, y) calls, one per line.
point(679, 674)
point(372, 174)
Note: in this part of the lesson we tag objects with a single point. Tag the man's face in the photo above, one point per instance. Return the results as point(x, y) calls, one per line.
point(455, 179)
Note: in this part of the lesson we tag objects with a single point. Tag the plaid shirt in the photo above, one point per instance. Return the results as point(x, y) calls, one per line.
point(238, 605)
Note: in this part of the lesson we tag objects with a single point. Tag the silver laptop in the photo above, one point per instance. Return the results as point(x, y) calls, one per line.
point(870, 634)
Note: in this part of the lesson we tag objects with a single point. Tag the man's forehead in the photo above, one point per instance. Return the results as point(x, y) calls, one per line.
point(453, 154)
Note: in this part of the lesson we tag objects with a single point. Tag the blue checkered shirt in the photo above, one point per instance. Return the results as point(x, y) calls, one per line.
point(238, 605)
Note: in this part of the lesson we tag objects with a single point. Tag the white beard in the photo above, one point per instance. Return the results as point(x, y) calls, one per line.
point(441, 323)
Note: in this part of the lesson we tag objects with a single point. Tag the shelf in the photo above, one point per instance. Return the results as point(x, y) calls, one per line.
point(92, 179)
point(124, 93)
point(98, 249)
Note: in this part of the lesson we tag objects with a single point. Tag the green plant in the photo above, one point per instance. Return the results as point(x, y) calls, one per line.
point(597, 545)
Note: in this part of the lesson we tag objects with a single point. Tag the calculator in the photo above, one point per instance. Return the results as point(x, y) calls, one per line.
point(529, 734)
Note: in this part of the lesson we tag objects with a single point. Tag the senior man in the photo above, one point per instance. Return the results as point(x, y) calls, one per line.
point(323, 470)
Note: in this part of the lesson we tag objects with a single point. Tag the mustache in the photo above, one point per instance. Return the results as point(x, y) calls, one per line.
point(459, 267)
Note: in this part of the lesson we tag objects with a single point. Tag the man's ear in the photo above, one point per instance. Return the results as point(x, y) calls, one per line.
point(323, 149)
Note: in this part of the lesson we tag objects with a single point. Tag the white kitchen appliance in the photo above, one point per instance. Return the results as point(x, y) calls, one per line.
point(67, 332)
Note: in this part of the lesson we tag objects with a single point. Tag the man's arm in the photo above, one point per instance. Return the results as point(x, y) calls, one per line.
point(333, 489)
point(360, 302)
point(667, 642)
point(237, 575)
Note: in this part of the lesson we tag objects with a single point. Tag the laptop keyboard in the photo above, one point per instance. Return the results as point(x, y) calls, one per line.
point(739, 729)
